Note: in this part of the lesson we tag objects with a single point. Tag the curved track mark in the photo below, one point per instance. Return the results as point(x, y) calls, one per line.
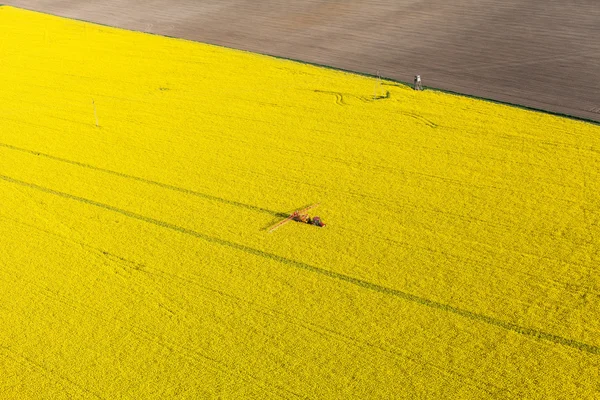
point(420, 119)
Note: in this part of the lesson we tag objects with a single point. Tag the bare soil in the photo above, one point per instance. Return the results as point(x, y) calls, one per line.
point(538, 53)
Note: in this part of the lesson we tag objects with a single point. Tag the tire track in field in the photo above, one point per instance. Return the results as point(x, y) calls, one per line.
point(529, 332)
point(148, 181)
point(488, 387)
point(248, 206)
point(339, 96)
point(554, 282)
point(332, 333)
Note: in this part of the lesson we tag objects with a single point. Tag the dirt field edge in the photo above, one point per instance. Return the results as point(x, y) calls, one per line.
point(456, 93)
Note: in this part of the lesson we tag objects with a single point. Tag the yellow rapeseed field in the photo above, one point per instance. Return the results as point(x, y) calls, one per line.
point(139, 175)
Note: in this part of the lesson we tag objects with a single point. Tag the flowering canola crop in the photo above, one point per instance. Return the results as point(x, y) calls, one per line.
point(139, 175)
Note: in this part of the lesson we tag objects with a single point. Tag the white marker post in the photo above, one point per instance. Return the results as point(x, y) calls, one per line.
point(379, 83)
point(95, 113)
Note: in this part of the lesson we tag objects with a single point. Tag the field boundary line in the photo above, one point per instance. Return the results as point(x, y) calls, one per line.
point(330, 67)
point(529, 332)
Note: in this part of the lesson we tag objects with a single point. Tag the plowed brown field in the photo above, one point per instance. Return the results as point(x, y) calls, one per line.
point(536, 53)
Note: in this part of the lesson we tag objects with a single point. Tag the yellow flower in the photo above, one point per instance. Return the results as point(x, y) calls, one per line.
point(139, 175)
